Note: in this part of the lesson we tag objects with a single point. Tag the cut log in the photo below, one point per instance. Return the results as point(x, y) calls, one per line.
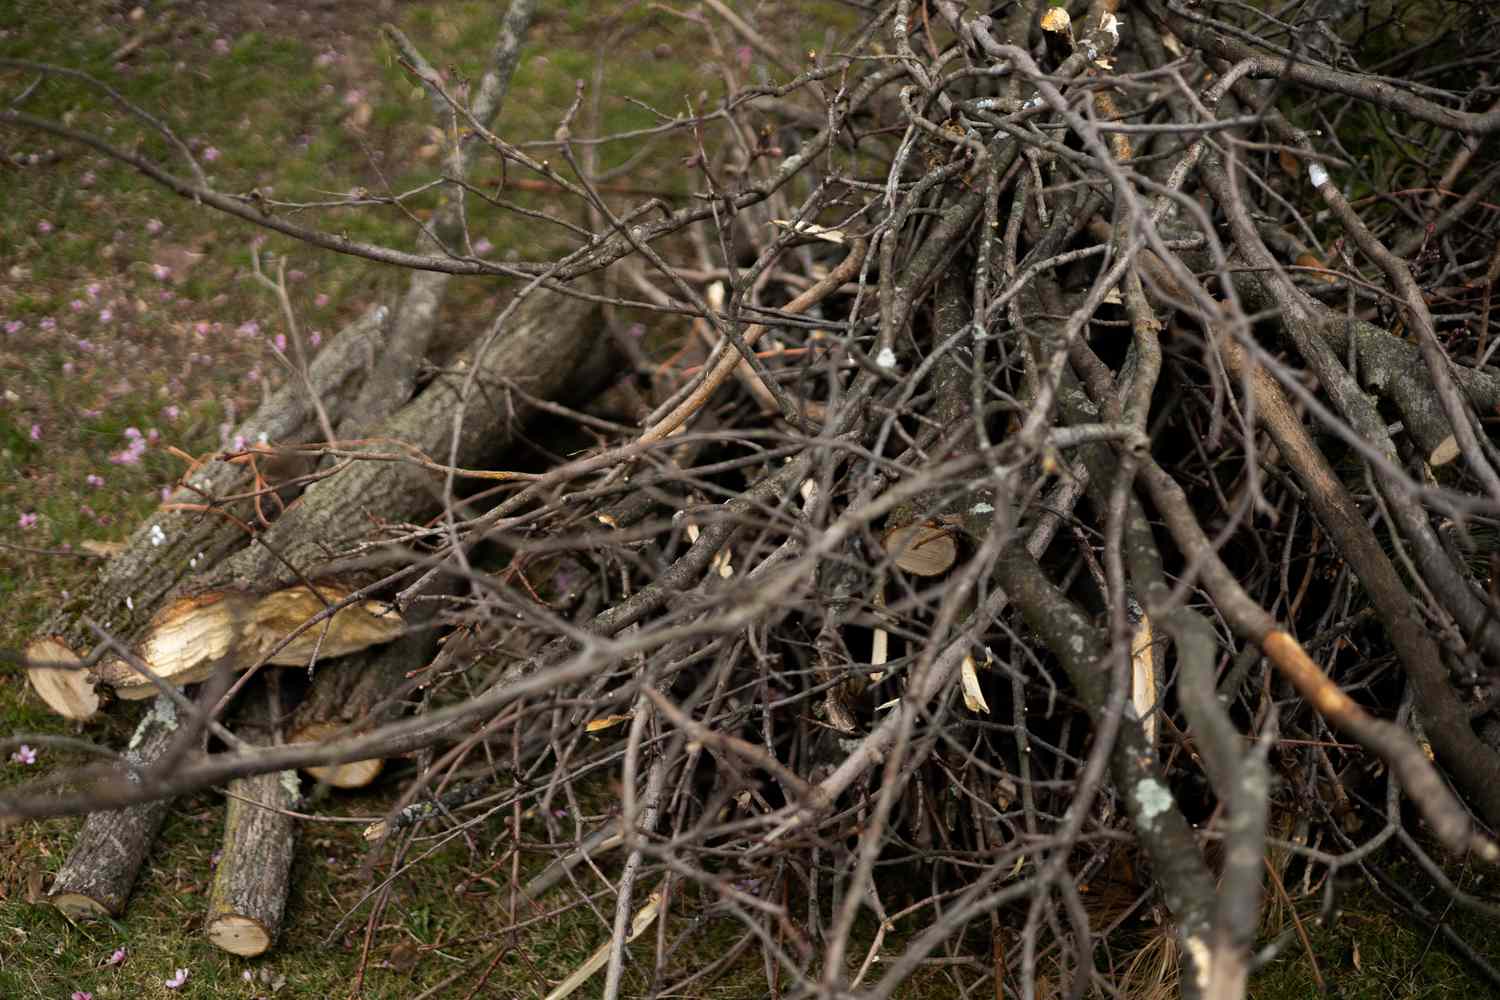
point(361, 692)
point(249, 893)
point(173, 545)
point(95, 880)
point(69, 691)
point(922, 549)
point(231, 610)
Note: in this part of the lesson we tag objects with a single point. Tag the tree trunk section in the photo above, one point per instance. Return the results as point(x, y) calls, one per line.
point(354, 695)
point(95, 880)
point(172, 545)
point(235, 609)
point(250, 887)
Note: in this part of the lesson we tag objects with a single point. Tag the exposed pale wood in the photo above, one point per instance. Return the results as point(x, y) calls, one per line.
point(250, 887)
point(922, 549)
point(68, 692)
point(358, 693)
point(188, 638)
point(95, 880)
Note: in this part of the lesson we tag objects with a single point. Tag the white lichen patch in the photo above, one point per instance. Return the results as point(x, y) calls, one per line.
point(1317, 174)
point(1153, 798)
point(161, 713)
point(1198, 950)
point(157, 535)
point(982, 508)
point(886, 358)
point(291, 785)
point(1110, 25)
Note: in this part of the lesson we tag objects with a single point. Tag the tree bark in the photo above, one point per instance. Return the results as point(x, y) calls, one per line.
point(249, 893)
point(238, 607)
point(95, 880)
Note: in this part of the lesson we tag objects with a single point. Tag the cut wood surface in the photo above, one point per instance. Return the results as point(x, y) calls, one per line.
point(188, 638)
point(95, 880)
point(250, 887)
point(922, 549)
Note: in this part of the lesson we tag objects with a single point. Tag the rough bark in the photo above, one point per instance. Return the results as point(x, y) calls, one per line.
point(237, 609)
point(249, 893)
point(95, 880)
point(394, 375)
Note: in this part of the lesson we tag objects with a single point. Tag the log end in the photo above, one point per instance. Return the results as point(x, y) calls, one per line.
point(922, 549)
point(239, 935)
point(67, 691)
point(79, 908)
point(354, 774)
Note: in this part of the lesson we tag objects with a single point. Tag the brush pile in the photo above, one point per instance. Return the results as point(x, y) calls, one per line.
point(1056, 498)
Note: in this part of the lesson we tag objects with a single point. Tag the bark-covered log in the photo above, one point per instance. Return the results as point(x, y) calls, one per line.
point(249, 893)
point(172, 544)
point(96, 879)
point(236, 609)
point(356, 694)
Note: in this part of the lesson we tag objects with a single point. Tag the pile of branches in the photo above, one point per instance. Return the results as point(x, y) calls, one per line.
point(1069, 505)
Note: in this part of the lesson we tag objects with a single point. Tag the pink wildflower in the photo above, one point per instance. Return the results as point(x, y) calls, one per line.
point(153, 226)
point(28, 520)
point(320, 300)
point(36, 432)
point(93, 480)
point(117, 958)
point(25, 755)
point(176, 981)
point(211, 154)
point(44, 227)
